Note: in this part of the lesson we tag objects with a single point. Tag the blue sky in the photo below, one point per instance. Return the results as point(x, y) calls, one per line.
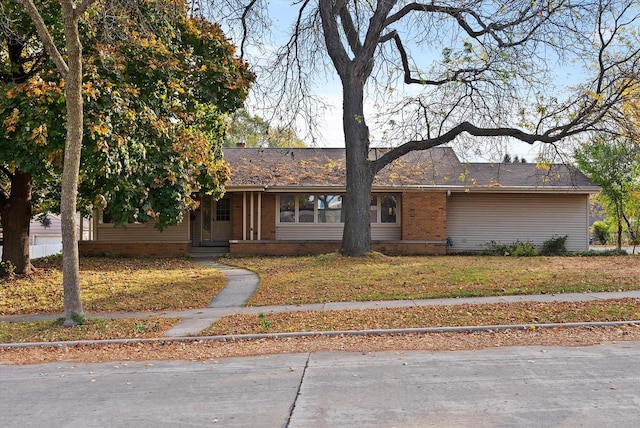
point(283, 13)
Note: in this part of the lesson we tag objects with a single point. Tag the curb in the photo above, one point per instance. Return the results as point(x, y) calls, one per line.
point(246, 337)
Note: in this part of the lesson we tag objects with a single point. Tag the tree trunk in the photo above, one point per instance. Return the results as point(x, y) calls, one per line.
point(16, 216)
point(71, 168)
point(356, 238)
point(619, 243)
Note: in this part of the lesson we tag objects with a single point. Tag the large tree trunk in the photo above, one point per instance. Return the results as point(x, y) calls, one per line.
point(16, 216)
point(71, 168)
point(356, 239)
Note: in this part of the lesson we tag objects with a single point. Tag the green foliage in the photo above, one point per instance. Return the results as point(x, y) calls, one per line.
point(7, 269)
point(156, 94)
point(78, 319)
point(253, 131)
point(614, 165)
point(264, 322)
point(598, 253)
point(516, 249)
point(601, 231)
point(555, 246)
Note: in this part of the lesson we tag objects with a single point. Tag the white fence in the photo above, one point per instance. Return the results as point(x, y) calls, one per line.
point(38, 251)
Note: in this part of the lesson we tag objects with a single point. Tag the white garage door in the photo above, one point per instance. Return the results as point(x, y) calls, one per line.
point(475, 219)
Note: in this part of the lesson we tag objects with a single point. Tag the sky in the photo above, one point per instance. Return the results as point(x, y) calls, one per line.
point(282, 13)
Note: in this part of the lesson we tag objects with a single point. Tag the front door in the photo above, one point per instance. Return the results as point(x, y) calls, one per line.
point(216, 221)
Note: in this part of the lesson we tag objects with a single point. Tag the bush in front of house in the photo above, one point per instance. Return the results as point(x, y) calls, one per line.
point(516, 249)
point(556, 246)
point(601, 232)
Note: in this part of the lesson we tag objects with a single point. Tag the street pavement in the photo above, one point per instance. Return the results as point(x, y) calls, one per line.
point(596, 386)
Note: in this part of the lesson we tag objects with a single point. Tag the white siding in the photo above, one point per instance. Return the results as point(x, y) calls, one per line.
point(47, 239)
point(474, 219)
point(38, 251)
point(143, 232)
point(332, 232)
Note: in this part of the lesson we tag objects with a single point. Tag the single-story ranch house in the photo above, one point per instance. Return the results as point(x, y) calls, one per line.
point(289, 201)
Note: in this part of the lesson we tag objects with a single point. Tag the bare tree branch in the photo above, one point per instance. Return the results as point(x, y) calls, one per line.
point(82, 7)
point(45, 36)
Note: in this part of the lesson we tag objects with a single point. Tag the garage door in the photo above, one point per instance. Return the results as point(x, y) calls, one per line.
point(475, 219)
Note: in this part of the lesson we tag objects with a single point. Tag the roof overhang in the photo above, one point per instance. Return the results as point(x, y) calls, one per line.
point(432, 188)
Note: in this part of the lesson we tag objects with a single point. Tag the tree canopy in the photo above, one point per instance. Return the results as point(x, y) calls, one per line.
point(612, 161)
point(253, 131)
point(156, 84)
point(155, 98)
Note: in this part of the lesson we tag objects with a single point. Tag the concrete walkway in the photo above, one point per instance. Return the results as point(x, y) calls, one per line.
point(242, 283)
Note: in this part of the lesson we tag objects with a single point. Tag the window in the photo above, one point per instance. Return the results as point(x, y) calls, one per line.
point(387, 209)
point(306, 204)
point(373, 209)
point(329, 209)
point(311, 208)
point(287, 209)
point(223, 209)
point(104, 218)
point(383, 209)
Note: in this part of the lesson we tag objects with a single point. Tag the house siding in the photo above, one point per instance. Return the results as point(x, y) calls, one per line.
point(100, 248)
point(475, 219)
point(143, 233)
point(298, 248)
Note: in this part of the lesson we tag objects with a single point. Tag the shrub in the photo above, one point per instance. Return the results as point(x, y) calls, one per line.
point(599, 253)
point(7, 269)
point(601, 231)
point(517, 249)
point(555, 246)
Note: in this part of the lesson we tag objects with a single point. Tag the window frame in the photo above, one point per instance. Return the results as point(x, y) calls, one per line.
point(111, 223)
point(316, 198)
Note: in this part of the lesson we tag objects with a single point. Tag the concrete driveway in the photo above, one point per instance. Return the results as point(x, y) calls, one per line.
point(504, 387)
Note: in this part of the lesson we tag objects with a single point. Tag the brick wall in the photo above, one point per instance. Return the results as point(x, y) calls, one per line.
point(301, 248)
point(424, 216)
point(268, 216)
point(282, 248)
point(236, 215)
point(98, 248)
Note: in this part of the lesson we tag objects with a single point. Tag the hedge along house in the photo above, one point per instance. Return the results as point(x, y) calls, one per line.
point(290, 201)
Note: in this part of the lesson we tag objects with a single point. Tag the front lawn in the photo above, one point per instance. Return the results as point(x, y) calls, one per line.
point(114, 285)
point(332, 278)
point(91, 329)
point(429, 316)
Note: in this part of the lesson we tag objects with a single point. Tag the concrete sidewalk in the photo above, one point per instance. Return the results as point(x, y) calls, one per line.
point(242, 283)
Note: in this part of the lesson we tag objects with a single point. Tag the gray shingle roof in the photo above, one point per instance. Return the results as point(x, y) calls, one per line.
point(438, 167)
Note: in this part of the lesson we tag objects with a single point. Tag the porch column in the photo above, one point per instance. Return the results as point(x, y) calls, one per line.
point(244, 216)
point(251, 219)
point(259, 216)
